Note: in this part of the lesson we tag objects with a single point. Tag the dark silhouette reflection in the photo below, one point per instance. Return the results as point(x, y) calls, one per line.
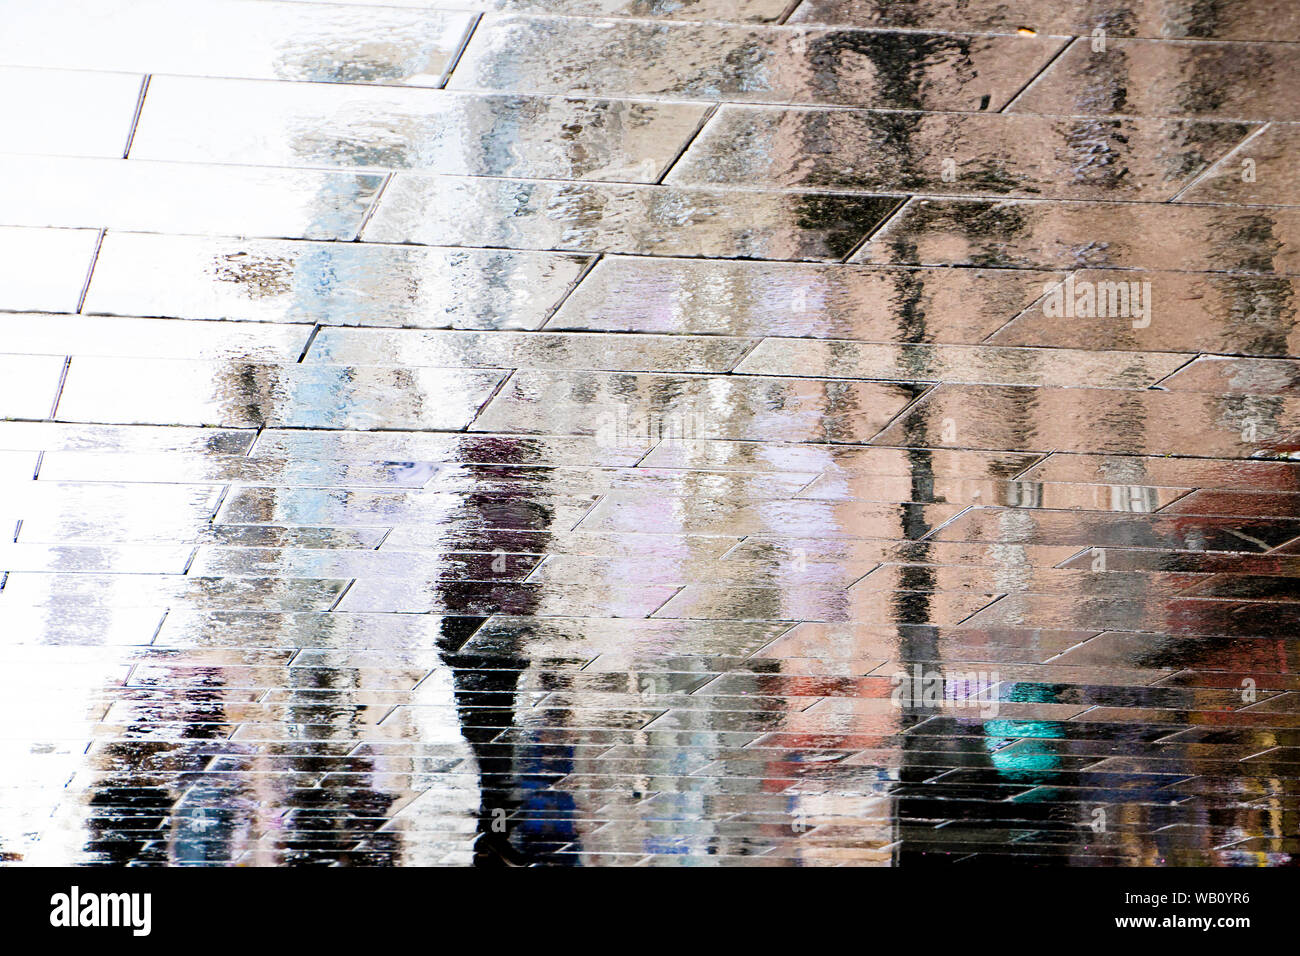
point(155, 802)
point(520, 818)
point(899, 63)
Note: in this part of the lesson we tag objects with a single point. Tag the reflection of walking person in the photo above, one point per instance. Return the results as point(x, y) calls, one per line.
point(519, 818)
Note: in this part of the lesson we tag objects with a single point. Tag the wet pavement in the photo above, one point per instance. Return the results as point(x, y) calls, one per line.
point(649, 432)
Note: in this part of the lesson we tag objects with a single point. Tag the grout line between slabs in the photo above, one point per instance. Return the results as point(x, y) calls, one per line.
point(705, 119)
point(1039, 75)
point(1208, 171)
point(460, 51)
point(588, 268)
point(135, 118)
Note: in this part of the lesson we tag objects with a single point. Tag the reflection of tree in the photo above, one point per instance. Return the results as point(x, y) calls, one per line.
point(918, 640)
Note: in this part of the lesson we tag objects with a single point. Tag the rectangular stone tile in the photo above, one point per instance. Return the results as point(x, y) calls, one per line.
point(1179, 312)
point(41, 334)
point(1060, 581)
point(190, 628)
point(1168, 78)
point(795, 551)
point(224, 469)
point(982, 364)
point(953, 153)
point(451, 449)
point(238, 393)
point(1220, 375)
point(555, 541)
point(1182, 616)
point(97, 522)
point(201, 531)
point(494, 479)
point(772, 64)
point(125, 439)
point(1051, 235)
point(284, 41)
point(1273, 589)
point(919, 642)
point(67, 113)
point(115, 559)
point(629, 294)
point(88, 502)
point(1223, 20)
point(820, 604)
point(591, 637)
point(1257, 565)
point(533, 350)
point(840, 461)
point(169, 197)
point(321, 563)
point(644, 220)
point(1082, 529)
point(71, 626)
point(45, 268)
point(738, 10)
point(146, 590)
point(1149, 422)
point(1101, 420)
point(303, 124)
point(629, 511)
point(486, 599)
point(1197, 472)
point(1247, 503)
point(329, 283)
point(571, 480)
point(308, 506)
point(574, 569)
point(1013, 494)
point(629, 409)
point(29, 384)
